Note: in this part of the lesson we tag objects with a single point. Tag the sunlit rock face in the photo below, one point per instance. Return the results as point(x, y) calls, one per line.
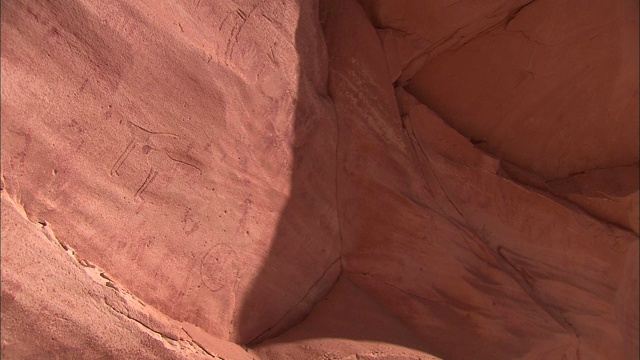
point(332, 179)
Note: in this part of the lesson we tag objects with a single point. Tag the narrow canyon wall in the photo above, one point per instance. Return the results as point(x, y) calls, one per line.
point(339, 179)
point(547, 86)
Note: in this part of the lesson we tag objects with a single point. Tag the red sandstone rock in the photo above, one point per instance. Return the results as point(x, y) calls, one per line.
point(550, 87)
point(56, 307)
point(224, 172)
point(422, 30)
point(562, 96)
point(449, 215)
point(161, 147)
point(353, 326)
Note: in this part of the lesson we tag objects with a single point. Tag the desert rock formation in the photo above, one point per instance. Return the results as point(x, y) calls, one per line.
point(333, 179)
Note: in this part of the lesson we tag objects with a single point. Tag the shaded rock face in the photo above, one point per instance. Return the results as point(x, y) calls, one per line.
point(336, 179)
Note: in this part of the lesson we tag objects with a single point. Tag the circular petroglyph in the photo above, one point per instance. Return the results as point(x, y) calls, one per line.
point(219, 267)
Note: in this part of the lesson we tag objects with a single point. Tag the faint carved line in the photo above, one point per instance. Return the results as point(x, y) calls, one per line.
point(153, 132)
point(122, 158)
point(241, 14)
point(223, 21)
point(84, 85)
point(225, 258)
point(183, 162)
point(152, 175)
point(235, 32)
point(231, 43)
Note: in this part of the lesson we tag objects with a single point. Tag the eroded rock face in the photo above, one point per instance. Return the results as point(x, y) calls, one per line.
point(221, 171)
point(57, 306)
point(449, 215)
point(534, 82)
point(158, 140)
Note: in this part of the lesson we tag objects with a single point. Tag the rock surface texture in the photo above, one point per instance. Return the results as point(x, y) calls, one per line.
point(332, 179)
